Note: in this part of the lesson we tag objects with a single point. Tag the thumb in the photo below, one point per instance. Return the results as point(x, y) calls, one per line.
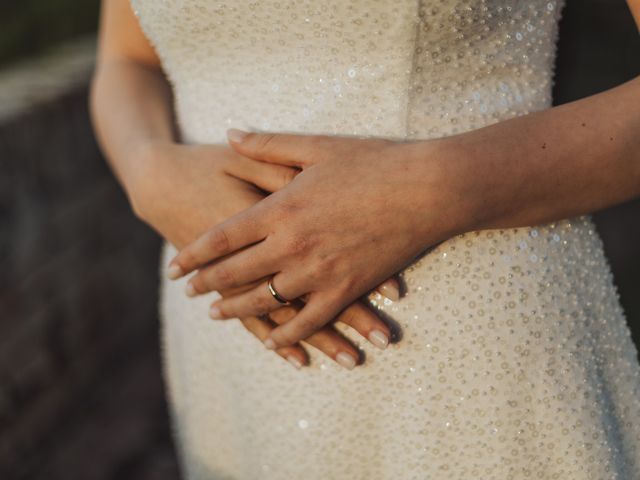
point(285, 149)
point(266, 176)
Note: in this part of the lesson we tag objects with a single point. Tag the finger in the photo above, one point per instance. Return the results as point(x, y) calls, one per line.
point(246, 266)
point(258, 301)
point(319, 310)
point(227, 292)
point(327, 339)
point(366, 323)
point(285, 149)
point(390, 288)
point(285, 313)
point(269, 177)
point(294, 354)
point(233, 234)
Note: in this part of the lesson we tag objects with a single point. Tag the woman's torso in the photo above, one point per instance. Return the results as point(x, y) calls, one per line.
point(401, 69)
point(515, 360)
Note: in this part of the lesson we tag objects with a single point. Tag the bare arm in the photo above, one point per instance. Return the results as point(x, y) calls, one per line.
point(568, 160)
point(131, 100)
point(565, 161)
point(634, 6)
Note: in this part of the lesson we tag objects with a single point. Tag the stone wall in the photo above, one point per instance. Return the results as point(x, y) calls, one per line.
point(80, 388)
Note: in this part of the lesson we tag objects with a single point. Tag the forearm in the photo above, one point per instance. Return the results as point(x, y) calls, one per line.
point(553, 164)
point(131, 109)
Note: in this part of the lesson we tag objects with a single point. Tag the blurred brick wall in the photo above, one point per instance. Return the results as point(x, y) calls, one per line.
point(80, 390)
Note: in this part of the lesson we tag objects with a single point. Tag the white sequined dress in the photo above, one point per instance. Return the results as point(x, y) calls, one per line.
point(515, 360)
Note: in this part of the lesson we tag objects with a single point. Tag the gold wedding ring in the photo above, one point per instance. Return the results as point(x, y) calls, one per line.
point(279, 298)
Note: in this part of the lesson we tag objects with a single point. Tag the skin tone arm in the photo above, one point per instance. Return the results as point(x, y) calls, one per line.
point(126, 63)
point(181, 190)
point(634, 6)
point(546, 166)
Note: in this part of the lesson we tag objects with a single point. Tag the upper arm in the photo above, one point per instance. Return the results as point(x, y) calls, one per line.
point(634, 6)
point(120, 36)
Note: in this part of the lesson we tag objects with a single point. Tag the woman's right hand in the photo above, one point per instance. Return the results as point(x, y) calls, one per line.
point(182, 190)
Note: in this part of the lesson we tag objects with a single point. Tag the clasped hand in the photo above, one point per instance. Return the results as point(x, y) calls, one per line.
point(359, 211)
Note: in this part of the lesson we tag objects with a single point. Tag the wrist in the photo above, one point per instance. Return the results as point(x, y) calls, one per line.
point(150, 164)
point(456, 189)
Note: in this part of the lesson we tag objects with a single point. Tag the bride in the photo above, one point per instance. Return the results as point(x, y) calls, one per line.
point(381, 187)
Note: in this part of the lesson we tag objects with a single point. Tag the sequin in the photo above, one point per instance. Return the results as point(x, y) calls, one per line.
point(512, 360)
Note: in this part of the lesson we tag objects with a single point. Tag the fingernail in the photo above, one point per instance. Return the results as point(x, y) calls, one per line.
point(346, 360)
point(174, 271)
point(215, 313)
point(390, 291)
point(236, 135)
point(293, 360)
point(379, 339)
point(190, 290)
point(269, 343)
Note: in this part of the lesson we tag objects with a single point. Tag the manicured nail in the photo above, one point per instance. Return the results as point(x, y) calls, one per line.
point(269, 343)
point(379, 339)
point(391, 291)
point(215, 313)
point(174, 271)
point(236, 135)
point(346, 360)
point(293, 360)
point(190, 290)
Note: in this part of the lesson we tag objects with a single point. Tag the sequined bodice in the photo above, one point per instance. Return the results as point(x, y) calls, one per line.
point(400, 69)
point(515, 360)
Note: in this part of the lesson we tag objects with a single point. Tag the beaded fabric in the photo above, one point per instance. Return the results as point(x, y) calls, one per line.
point(515, 360)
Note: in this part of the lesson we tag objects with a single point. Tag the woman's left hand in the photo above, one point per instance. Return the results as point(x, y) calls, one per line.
point(360, 211)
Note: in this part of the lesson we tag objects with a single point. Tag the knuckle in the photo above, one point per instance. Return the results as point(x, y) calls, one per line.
point(282, 314)
point(348, 316)
point(285, 211)
point(331, 347)
point(326, 266)
point(225, 311)
point(298, 244)
point(266, 141)
point(329, 265)
point(347, 286)
point(287, 338)
point(218, 240)
point(260, 304)
point(224, 277)
point(288, 175)
point(309, 325)
point(198, 284)
point(187, 259)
